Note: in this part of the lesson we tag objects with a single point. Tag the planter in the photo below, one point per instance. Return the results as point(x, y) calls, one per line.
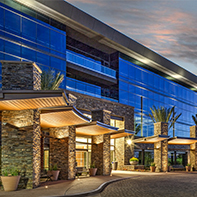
point(169, 168)
point(93, 171)
point(152, 168)
point(10, 183)
point(188, 168)
point(55, 174)
point(114, 165)
point(133, 162)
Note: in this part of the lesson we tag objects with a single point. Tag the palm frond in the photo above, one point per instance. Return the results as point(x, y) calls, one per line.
point(195, 119)
point(162, 114)
point(50, 81)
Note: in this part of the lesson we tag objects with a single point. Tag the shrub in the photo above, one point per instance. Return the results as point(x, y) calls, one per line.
point(134, 159)
point(152, 164)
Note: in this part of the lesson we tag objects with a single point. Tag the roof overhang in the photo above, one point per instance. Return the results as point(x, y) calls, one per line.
point(121, 133)
point(31, 99)
point(95, 128)
point(182, 141)
point(62, 116)
point(151, 139)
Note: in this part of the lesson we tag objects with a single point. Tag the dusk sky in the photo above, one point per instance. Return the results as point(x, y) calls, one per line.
point(168, 27)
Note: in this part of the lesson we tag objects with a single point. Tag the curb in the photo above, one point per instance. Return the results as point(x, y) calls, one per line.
point(95, 191)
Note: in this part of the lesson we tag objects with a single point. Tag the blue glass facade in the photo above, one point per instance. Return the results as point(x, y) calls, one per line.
point(89, 63)
point(24, 38)
point(142, 89)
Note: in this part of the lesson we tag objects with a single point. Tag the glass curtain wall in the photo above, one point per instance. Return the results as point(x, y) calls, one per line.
point(25, 38)
point(142, 89)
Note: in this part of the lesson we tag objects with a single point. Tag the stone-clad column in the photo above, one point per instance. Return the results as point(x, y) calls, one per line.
point(128, 149)
point(20, 76)
point(106, 154)
point(21, 145)
point(101, 144)
point(63, 150)
point(161, 148)
point(193, 147)
point(71, 152)
point(21, 134)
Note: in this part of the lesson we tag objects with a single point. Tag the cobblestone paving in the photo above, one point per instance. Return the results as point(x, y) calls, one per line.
point(164, 185)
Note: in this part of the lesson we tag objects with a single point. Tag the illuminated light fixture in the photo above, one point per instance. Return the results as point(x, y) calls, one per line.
point(129, 142)
point(176, 76)
point(46, 186)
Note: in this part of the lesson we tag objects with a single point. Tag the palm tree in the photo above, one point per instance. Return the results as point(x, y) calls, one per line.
point(49, 81)
point(163, 114)
point(137, 128)
point(195, 119)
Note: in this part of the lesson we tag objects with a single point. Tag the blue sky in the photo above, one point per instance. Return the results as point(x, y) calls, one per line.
point(168, 27)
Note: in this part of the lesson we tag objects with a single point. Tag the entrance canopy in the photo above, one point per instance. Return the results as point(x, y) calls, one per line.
point(151, 139)
point(55, 112)
point(121, 133)
point(182, 140)
point(31, 99)
point(95, 128)
point(62, 116)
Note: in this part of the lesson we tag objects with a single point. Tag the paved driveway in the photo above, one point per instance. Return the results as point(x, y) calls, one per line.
point(162, 185)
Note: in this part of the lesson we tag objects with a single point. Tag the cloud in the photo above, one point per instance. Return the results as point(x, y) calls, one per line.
point(167, 27)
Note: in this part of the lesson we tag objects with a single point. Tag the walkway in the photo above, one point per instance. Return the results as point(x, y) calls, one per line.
point(136, 184)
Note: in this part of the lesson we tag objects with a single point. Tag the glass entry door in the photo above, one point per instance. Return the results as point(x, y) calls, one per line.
point(82, 158)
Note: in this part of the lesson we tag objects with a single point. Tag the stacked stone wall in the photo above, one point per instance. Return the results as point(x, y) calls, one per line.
point(59, 155)
point(193, 147)
point(63, 152)
point(21, 145)
point(91, 103)
point(71, 152)
point(20, 76)
point(161, 148)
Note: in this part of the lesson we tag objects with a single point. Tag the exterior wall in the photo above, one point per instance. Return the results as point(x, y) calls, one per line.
point(119, 152)
point(21, 133)
point(21, 145)
point(100, 155)
point(161, 148)
point(106, 154)
point(101, 111)
point(97, 153)
point(136, 83)
point(128, 149)
point(63, 153)
point(59, 155)
point(59, 132)
point(20, 76)
point(101, 144)
point(193, 147)
point(39, 48)
point(91, 103)
point(101, 116)
point(71, 152)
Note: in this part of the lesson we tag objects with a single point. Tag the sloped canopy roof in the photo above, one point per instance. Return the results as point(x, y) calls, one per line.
point(182, 140)
point(151, 139)
point(31, 99)
point(95, 128)
point(121, 133)
point(62, 116)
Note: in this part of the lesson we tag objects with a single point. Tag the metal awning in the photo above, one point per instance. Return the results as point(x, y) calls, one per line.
point(121, 133)
point(62, 116)
point(151, 139)
point(31, 99)
point(95, 128)
point(182, 140)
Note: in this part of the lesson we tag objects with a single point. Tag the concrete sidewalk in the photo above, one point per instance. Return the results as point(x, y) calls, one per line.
point(71, 187)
